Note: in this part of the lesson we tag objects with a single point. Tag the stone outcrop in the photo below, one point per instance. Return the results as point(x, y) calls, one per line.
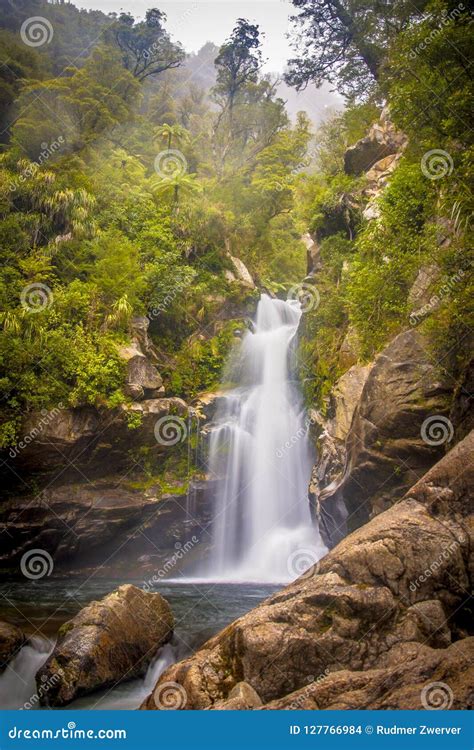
point(386, 451)
point(375, 624)
point(421, 290)
point(462, 411)
point(242, 697)
point(376, 180)
point(413, 677)
point(109, 641)
point(11, 640)
point(331, 450)
point(349, 351)
point(108, 527)
point(313, 256)
point(90, 440)
point(381, 142)
point(142, 381)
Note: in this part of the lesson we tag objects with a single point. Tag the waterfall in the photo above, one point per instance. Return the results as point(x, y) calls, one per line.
point(18, 688)
point(17, 683)
point(260, 453)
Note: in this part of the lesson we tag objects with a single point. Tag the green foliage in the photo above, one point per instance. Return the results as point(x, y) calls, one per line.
point(146, 47)
point(199, 364)
point(347, 43)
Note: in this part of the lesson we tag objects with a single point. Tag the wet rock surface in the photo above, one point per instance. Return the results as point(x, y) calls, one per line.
point(382, 141)
point(386, 613)
point(109, 641)
point(385, 447)
point(11, 640)
point(105, 526)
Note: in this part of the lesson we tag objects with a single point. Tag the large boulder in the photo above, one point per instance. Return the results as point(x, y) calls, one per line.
point(382, 141)
point(388, 445)
point(11, 640)
point(143, 379)
point(413, 676)
point(370, 612)
point(109, 641)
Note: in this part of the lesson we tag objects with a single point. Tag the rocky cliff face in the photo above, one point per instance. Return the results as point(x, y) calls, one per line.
point(387, 443)
point(381, 622)
point(107, 527)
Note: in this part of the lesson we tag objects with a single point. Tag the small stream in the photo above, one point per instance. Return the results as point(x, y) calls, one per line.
point(40, 607)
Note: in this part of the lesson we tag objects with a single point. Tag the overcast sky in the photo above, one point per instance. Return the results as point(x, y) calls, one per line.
point(199, 21)
point(195, 22)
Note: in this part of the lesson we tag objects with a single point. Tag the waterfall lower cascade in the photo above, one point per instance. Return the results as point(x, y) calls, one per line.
point(260, 452)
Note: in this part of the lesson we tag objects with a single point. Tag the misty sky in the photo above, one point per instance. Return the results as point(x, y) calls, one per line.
point(195, 22)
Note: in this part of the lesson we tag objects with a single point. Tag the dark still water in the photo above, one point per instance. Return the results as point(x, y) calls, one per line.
point(40, 607)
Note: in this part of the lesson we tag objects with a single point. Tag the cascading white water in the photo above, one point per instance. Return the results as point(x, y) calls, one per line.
point(259, 450)
point(17, 683)
point(18, 688)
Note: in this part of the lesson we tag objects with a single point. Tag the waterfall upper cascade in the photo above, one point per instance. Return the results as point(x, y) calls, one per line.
point(260, 452)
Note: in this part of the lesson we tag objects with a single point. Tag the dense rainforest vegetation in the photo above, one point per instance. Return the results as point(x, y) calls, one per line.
point(131, 172)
